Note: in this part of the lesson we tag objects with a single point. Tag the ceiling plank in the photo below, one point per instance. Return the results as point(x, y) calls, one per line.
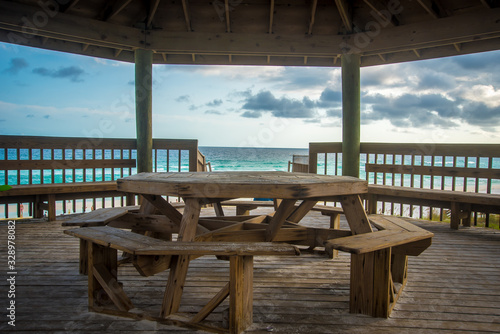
point(469, 28)
point(153, 8)
point(313, 16)
point(271, 17)
point(345, 11)
point(429, 6)
point(380, 9)
point(187, 16)
point(113, 9)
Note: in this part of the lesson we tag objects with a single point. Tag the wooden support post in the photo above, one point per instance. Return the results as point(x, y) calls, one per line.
point(143, 105)
point(350, 114)
point(52, 207)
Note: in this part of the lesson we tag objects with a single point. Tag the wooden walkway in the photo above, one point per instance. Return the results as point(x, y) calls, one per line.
point(452, 288)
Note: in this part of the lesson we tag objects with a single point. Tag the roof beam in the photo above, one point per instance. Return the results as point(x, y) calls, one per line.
point(228, 19)
point(345, 11)
point(429, 7)
point(68, 6)
point(187, 16)
point(271, 17)
point(490, 3)
point(111, 10)
point(381, 10)
point(313, 16)
point(153, 8)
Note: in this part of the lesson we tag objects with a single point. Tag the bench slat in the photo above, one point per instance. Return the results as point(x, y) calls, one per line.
point(142, 245)
point(382, 222)
point(370, 242)
point(100, 216)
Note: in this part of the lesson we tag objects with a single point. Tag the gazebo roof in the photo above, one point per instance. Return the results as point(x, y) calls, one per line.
point(255, 32)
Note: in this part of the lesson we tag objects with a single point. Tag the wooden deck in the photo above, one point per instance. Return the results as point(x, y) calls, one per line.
point(452, 288)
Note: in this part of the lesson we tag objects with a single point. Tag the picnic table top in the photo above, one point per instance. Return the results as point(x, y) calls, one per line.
point(234, 184)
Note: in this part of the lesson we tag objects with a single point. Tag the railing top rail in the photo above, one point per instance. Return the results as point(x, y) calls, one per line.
point(425, 149)
point(39, 142)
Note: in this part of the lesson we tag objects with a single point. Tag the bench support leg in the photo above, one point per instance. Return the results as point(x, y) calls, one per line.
point(371, 283)
point(103, 287)
point(240, 293)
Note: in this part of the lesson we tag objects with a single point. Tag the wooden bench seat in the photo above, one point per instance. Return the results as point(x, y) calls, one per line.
point(379, 262)
point(461, 203)
point(44, 196)
point(244, 208)
point(104, 241)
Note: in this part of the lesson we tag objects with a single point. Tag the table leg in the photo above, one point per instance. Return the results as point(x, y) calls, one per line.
point(284, 210)
point(355, 214)
point(179, 265)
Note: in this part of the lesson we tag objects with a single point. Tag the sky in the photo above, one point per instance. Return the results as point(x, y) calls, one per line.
point(447, 100)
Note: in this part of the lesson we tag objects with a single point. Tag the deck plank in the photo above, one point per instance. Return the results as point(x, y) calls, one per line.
point(451, 287)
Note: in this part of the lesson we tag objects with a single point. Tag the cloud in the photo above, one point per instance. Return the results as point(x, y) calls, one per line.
point(214, 112)
point(183, 98)
point(330, 98)
point(285, 107)
point(214, 103)
point(16, 65)
point(73, 73)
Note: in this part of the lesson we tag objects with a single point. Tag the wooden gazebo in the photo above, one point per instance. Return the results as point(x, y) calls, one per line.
point(338, 33)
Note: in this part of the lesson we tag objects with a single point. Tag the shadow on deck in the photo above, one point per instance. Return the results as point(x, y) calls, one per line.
point(452, 288)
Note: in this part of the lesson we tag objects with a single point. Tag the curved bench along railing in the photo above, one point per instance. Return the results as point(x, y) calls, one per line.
point(63, 175)
point(472, 168)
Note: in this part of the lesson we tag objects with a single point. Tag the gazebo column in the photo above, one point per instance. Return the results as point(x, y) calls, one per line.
point(143, 109)
point(350, 114)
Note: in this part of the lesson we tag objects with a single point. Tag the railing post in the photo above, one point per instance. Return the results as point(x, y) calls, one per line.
point(350, 114)
point(143, 105)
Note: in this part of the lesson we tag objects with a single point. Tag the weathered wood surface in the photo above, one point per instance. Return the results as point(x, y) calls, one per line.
point(242, 185)
point(100, 216)
point(139, 244)
point(450, 288)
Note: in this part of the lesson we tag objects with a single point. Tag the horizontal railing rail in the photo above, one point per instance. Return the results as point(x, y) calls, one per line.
point(457, 167)
point(33, 160)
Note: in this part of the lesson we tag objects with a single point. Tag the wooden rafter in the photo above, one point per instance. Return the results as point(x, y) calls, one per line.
point(153, 7)
point(490, 3)
point(313, 16)
point(271, 17)
point(228, 19)
point(345, 11)
point(187, 16)
point(429, 6)
point(113, 9)
point(68, 6)
point(380, 9)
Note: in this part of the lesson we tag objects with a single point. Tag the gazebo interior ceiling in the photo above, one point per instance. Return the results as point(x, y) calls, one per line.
point(255, 32)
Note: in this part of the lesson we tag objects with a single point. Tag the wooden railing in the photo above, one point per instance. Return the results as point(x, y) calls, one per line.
point(326, 158)
point(46, 160)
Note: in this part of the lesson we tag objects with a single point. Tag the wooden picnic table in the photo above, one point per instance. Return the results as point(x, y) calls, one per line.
point(200, 188)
